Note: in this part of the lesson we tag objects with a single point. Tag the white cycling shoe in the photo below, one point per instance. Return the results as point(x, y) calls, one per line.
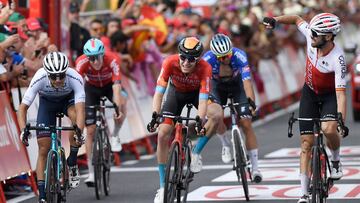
point(90, 181)
point(256, 176)
point(196, 163)
point(336, 170)
point(304, 199)
point(74, 176)
point(159, 197)
point(115, 144)
point(226, 155)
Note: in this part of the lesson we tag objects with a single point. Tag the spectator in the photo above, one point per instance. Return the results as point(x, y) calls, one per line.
point(96, 28)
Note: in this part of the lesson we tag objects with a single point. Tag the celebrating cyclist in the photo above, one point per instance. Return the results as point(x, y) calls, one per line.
point(101, 70)
point(231, 76)
point(189, 81)
point(324, 87)
point(61, 90)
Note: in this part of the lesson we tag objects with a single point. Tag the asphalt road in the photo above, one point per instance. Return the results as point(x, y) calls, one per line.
point(137, 181)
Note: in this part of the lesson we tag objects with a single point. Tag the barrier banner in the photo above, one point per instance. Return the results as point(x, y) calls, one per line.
point(13, 158)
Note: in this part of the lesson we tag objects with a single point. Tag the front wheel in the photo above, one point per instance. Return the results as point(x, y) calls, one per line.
point(106, 164)
point(241, 165)
point(97, 162)
point(316, 190)
point(51, 186)
point(64, 178)
point(188, 175)
point(172, 174)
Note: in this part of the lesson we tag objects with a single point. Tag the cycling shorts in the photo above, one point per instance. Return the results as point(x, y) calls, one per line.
point(220, 92)
point(93, 95)
point(175, 102)
point(47, 112)
point(315, 106)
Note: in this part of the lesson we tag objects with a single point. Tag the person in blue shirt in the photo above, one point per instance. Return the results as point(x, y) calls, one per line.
point(231, 76)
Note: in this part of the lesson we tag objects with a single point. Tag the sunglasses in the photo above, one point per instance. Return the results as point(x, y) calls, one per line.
point(222, 58)
point(190, 59)
point(315, 34)
point(94, 58)
point(59, 76)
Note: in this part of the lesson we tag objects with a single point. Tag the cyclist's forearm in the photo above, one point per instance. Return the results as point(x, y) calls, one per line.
point(341, 103)
point(249, 91)
point(202, 108)
point(80, 115)
point(157, 101)
point(288, 19)
point(117, 98)
point(22, 115)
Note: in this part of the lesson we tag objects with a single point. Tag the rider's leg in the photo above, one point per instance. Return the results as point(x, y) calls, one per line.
point(90, 131)
point(164, 132)
point(306, 144)
point(222, 134)
point(44, 146)
point(251, 142)
point(74, 148)
point(333, 139)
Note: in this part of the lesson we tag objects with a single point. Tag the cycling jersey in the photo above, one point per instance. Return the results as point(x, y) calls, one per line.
point(109, 73)
point(197, 80)
point(327, 73)
point(40, 83)
point(238, 63)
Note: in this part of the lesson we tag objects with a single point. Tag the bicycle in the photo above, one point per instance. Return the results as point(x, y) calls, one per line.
point(57, 172)
point(177, 176)
point(101, 158)
point(241, 162)
point(320, 183)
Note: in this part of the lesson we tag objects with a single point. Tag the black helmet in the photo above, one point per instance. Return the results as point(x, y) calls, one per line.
point(190, 46)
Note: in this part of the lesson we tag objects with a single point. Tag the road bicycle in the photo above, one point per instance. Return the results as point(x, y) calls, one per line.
point(177, 174)
point(57, 171)
point(241, 163)
point(102, 156)
point(320, 181)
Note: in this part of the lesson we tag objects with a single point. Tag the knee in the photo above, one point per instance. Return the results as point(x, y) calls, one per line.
point(43, 151)
point(163, 136)
point(306, 146)
point(330, 129)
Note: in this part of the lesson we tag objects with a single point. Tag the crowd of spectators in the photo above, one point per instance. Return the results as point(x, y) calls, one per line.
point(24, 41)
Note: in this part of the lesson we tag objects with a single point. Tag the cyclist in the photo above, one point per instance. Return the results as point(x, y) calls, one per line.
point(60, 89)
point(324, 82)
point(101, 70)
point(189, 77)
point(231, 75)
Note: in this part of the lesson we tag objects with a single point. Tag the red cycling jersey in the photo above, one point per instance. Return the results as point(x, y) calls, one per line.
point(109, 72)
point(197, 80)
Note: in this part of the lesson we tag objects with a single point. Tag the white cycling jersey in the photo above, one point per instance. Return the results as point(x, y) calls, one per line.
point(327, 73)
point(40, 83)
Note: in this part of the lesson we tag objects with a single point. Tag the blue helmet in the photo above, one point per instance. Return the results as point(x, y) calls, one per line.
point(94, 47)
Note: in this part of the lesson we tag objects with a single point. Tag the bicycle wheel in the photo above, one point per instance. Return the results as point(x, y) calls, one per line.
point(64, 177)
point(51, 185)
point(187, 174)
point(106, 163)
point(316, 194)
point(172, 174)
point(97, 162)
point(240, 167)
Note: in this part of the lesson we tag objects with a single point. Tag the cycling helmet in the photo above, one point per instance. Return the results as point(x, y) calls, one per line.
point(220, 45)
point(94, 47)
point(55, 63)
point(325, 23)
point(190, 46)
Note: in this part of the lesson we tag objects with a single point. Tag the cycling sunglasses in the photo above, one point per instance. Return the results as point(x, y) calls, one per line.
point(222, 58)
point(190, 59)
point(314, 34)
point(94, 58)
point(59, 76)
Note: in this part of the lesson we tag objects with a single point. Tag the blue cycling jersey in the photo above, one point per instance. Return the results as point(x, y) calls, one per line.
point(238, 63)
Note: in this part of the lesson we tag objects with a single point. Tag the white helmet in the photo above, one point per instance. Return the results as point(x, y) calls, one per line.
point(55, 63)
point(220, 45)
point(325, 23)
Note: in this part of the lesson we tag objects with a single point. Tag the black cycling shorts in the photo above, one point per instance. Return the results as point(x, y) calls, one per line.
point(314, 105)
point(93, 95)
point(220, 92)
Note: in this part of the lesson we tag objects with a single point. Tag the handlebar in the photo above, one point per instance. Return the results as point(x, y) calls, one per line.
point(339, 119)
point(98, 107)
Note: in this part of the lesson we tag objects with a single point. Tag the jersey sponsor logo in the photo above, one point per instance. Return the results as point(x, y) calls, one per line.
point(241, 57)
point(186, 80)
point(308, 74)
point(246, 69)
point(115, 67)
point(343, 66)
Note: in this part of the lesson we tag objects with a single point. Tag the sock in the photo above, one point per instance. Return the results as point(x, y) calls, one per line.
point(90, 166)
point(253, 154)
point(224, 139)
point(162, 174)
point(335, 154)
point(304, 181)
point(41, 187)
point(200, 144)
point(71, 161)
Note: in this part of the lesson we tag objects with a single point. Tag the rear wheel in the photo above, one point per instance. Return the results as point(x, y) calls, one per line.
point(51, 187)
point(172, 174)
point(97, 162)
point(240, 167)
point(107, 164)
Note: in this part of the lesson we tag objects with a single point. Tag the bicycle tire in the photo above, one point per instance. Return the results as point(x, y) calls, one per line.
point(64, 178)
point(315, 167)
point(188, 175)
point(51, 178)
point(172, 173)
point(241, 165)
point(97, 162)
point(106, 164)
